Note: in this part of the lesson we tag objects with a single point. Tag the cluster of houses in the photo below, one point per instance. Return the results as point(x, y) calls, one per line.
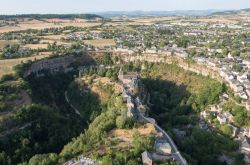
point(166, 51)
point(238, 81)
point(240, 134)
point(83, 36)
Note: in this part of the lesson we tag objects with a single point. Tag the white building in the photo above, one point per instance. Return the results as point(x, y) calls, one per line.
point(163, 148)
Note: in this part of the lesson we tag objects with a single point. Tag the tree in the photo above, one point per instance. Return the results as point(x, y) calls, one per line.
point(120, 122)
point(44, 159)
point(226, 130)
point(237, 68)
point(4, 159)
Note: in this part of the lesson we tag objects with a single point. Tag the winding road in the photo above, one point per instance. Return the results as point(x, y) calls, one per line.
point(71, 105)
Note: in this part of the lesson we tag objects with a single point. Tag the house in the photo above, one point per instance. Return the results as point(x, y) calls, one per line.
point(238, 88)
point(245, 145)
point(234, 129)
point(225, 117)
point(204, 114)
point(200, 60)
point(203, 125)
point(243, 95)
point(225, 96)
point(124, 50)
point(129, 80)
point(163, 148)
point(125, 96)
point(179, 133)
point(146, 158)
point(152, 50)
point(215, 108)
point(247, 84)
point(180, 53)
point(246, 62)
point(221, 118)
point(228, 116)
point(246, 132)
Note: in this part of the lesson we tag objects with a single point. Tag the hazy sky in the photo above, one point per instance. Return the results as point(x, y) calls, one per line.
point(88, 6)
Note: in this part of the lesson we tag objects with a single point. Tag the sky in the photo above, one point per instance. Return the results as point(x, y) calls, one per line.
point(93, 6)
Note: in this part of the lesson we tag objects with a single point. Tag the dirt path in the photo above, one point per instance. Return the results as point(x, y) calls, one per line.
point(12, 130)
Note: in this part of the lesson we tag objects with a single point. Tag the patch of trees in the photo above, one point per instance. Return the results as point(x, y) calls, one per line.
point(47, 131)
point(241, 115)
point(84, 100)
point(237, 67)
point(203, 147)
point(15, 51)
point(111, 73)
point(106, 59)
point(209, 94)
point(30, 40)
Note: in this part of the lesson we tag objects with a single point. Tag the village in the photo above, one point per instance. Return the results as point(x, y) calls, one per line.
point(164, 146)
point(231, 69)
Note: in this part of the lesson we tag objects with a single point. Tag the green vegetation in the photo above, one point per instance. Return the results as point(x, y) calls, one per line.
point(241, 115)
point(177, 96)
point(237, 68)
point(90, 142)
point(208, 95)
point(14, 51)
point(46, 129)
point(43, 126)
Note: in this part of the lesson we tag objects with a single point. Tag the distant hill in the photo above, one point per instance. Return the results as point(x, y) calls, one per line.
point(109, 14)
point(231, 12)
point(50, 16)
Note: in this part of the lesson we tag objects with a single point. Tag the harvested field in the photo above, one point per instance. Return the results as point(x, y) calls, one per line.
point(6, 66)
point(127, 134)
point(100, 42)
point(52, 20)
point(35, 24)
point(43, 41)
point(36, 46)
point(54, 37)
point(3, 43)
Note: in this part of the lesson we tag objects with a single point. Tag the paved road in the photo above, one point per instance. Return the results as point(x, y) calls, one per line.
point(12, 130)
point(176, 154)
point(175, 150)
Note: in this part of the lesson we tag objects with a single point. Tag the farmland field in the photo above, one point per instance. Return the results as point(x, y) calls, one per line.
point(6, 66)
point(36, 24)
point(3, 43)
point(100, 42)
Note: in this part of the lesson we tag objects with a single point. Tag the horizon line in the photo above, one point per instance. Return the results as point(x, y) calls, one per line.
point(107, 11)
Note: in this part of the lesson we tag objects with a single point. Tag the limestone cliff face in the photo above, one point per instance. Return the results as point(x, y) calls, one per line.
point(183, 63)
